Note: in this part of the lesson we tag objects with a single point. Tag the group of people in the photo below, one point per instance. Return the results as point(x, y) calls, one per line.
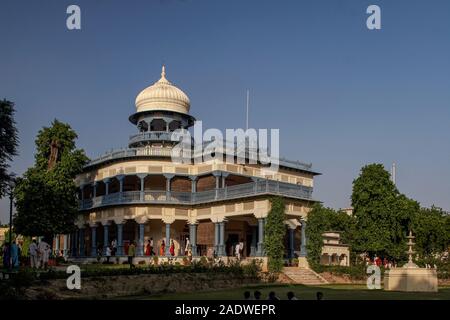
point(387, 264)
point(272, 295)
point(39, 254)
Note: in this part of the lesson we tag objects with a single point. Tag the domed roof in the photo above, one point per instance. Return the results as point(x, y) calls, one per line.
point(162, 95)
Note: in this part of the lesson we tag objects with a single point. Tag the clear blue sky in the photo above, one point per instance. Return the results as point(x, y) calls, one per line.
point(342, 96)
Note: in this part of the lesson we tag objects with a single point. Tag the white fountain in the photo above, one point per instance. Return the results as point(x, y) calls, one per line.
point(410, 277)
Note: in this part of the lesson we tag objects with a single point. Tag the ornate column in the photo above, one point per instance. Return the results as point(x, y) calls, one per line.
point(193, 183)
point(302, 259)
point(221, 239)
point(167, 239)
point(193, 188)
point(142, 190)
point(291, 243)
point(303, 252)
point(216, 237)
point(106, 181)
point(169, 177)
point(94, 189)
point(141, 239)
point(253, 246)
point(121, 178)
point(217, 174)
point(193, 238)
point(94, 241)
point(105, 237)
point(260, 250)
point(119, 239)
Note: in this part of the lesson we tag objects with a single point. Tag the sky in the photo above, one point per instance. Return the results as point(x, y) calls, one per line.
point(342, 95)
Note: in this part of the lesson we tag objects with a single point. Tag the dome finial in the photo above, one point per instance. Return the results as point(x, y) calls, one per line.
point(163, 71)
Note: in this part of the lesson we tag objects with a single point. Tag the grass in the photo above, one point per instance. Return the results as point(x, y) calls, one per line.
point(331, 292)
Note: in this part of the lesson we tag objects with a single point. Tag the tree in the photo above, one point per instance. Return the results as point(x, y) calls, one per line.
point(383, 215)
point(275, 231)
point(431, 228)
point(46, 200)
point(8, 142)
point(320, 220)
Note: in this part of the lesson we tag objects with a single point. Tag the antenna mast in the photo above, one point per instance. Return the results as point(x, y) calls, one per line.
point(246, 121)
point(393, 173)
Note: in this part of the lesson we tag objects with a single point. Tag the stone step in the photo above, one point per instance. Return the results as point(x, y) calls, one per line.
point(303, 276)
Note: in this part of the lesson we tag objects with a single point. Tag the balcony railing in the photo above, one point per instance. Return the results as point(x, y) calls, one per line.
point(260, 187)
point(151, 136)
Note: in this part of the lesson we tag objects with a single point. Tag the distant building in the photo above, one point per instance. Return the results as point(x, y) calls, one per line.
point(333, 251)
point(3, 231)
point(348, 211)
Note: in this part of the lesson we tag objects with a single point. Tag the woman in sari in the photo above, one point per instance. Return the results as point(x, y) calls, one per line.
point(172, 248)
point(147, 248)
point(162, 249)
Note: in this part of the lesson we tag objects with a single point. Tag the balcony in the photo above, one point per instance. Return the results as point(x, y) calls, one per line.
point(150, 136)
point(260, 187)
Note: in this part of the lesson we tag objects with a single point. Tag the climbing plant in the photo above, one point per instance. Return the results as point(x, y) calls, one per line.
point(274, 235)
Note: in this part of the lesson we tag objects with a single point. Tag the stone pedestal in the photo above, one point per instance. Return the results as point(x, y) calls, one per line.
point(411, 280)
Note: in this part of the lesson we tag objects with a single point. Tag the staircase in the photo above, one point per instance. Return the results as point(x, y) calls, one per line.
point(303, 276)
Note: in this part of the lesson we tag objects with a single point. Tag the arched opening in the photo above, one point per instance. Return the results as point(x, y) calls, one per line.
point(158, 125)
point(143, 126)
point(174, 125)
point(100, 189)
point(88, 191)
point(206, 183)
point(232, 180)
point(114, 185)
point(180, 184)
point(131, 183)
point(155, 183)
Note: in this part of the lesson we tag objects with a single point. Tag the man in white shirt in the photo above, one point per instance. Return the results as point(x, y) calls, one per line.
point(44, 252)
point(33, 251)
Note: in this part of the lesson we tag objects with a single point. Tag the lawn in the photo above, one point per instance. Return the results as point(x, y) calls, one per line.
point(330, 292)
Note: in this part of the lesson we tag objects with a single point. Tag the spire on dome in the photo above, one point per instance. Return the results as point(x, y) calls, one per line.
point(163, 71)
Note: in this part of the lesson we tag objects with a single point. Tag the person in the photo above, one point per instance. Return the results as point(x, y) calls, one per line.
point(14, 255)
point(241, 248)
point(272, 296)
point(44, 252)
point(319, 295)
point(107, 254)
point(6, 255)
point(189, 254)
point(114, 247)
point(162, 249)
point(151, 247)
point(131, 253)
point(247, 295)
point(257, 295)
point(187, 246)
point(33, 251)
point(385, 263)
point(238, 251)
point(291, 296)
point(172, 248)
point(147, 248)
